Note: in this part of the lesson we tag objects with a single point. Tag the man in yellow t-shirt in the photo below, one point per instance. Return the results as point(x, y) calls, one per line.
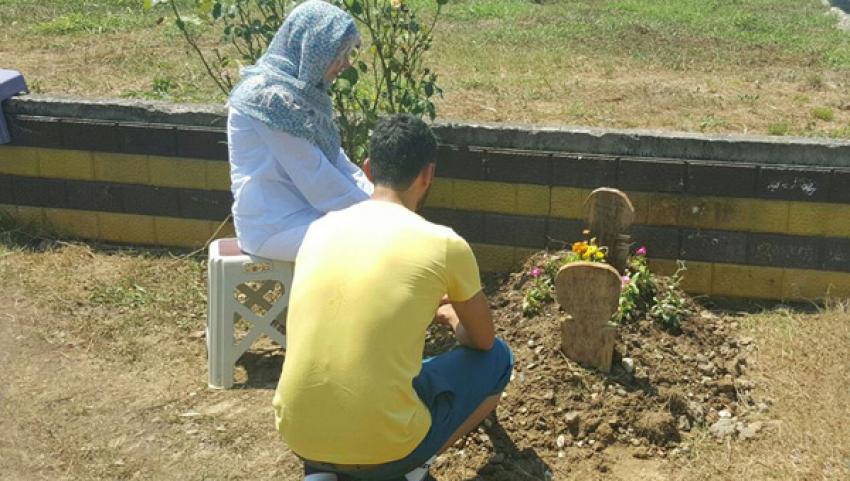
point(355, 398)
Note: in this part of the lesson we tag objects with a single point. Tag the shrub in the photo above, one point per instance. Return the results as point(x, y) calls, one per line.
point(388, 77)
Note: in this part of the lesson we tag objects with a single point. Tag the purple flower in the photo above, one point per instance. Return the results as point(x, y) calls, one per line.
point(536, 272)
point(641, 251)
point(625, 280)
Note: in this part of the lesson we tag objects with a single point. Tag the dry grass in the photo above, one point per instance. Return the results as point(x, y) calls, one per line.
point(756, 67)
point(804, 367)
point(104, 378)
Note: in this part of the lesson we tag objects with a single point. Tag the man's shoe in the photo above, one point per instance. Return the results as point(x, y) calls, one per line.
point(421, 473)
point(321, 477)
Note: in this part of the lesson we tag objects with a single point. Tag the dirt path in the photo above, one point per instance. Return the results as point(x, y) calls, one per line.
point(79, 401)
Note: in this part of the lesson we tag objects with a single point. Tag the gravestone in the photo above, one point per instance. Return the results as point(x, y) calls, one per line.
point(589, 292)
point(609, 215)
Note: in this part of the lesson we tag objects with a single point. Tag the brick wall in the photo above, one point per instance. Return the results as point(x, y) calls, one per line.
point(769, 230)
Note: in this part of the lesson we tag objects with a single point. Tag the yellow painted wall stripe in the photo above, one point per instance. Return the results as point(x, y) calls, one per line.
point(115, 167)
point(715, 279)
point(120, 228)
point(727, 280)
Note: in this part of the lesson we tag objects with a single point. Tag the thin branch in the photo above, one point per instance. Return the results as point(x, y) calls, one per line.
point(182, 25)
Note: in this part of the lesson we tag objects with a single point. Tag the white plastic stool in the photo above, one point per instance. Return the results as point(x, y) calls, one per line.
point(230, 298)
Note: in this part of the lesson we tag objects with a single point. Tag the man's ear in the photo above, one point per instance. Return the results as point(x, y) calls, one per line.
point(428, 173)
point(367, 169)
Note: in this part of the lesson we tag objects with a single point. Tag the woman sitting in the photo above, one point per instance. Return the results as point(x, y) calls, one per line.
point(287, 167)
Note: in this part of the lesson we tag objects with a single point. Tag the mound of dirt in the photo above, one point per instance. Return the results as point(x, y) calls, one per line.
point(660, 388)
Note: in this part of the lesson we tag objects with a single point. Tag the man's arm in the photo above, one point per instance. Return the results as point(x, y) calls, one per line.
point(471, 321)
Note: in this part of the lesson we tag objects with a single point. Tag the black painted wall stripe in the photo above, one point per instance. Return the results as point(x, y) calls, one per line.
point(714, 246)
point(534, 232)
point(120, 198)
point(131, 138)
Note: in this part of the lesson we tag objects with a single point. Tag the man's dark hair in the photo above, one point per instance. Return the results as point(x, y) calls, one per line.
point(400, 147)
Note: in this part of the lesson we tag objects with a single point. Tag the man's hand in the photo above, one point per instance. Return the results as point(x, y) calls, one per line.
point(446, 316)
point(470, 320)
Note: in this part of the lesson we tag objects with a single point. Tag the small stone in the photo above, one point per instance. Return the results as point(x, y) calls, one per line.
point(723, 386)
point(723, 428)
point(621, 391)
point(643, 453)
point(561, 441)
point(749, 431)
point(706, 368)
point(561, 454)
point(744, 384)
point(484, 438)
point(635, 442)
point(763, 407)
point(572, 418)
point(683, 424)
point(628, 365)
point(724, 413)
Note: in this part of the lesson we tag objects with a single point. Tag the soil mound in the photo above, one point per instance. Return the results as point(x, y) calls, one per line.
point(660, 388)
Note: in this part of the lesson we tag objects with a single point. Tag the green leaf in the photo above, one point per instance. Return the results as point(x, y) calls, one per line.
point(204, 6)
point(149, 4)
point(355, 7)
point(351, 75)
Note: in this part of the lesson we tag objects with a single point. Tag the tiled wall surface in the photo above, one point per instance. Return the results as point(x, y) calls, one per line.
point(745, 230)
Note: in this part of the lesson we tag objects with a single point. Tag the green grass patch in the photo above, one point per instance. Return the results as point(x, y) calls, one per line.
point(823, 113)
point(778, 128)
point(78, 22)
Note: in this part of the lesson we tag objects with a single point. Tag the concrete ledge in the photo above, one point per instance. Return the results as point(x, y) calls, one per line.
point(651, 143)
point(114, 110)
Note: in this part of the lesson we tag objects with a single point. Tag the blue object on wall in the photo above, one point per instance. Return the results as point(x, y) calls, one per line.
point(11, 84)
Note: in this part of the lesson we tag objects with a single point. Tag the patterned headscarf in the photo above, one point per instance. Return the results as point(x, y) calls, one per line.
point(286, 89)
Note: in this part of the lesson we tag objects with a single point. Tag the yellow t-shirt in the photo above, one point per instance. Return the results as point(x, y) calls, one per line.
point(368, 280)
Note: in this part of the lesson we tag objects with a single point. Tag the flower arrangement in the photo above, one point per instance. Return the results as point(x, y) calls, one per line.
point(588, 251)
point(643, 293)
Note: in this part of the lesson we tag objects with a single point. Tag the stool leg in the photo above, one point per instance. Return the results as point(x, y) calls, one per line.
point(220, 337)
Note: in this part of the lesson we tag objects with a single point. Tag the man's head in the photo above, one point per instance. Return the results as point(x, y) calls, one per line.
point(402, 156)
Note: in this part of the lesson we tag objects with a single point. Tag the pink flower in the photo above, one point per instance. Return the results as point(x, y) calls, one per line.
point(641, 251)
point(625, 280)
point(536, 272)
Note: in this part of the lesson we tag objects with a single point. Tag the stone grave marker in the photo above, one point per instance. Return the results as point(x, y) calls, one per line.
point(609, 215)
point(589, 292)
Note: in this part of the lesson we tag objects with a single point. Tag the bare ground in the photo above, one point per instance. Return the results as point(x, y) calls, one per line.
point(104, 378)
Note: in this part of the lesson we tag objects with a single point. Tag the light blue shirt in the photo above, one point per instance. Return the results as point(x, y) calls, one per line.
point(282, 182)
